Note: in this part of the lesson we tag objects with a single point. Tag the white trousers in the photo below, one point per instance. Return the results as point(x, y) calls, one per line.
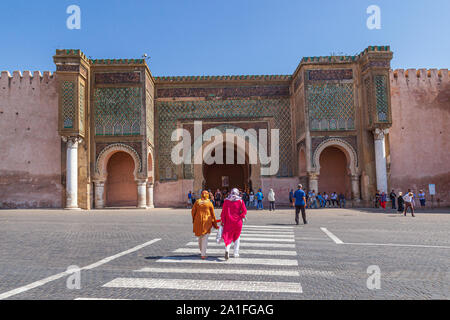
point(203, 244)
point(236, 246)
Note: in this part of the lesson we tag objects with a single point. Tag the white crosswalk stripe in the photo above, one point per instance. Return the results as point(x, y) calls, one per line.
point(246, 261)
point(247, 251)
point(284, 273)
point(213, 285)
point(275, 246)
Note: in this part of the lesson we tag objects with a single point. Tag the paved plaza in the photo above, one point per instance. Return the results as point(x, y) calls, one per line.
point(153, 255)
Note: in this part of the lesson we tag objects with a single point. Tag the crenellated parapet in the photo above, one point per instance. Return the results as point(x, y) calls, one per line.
point(420, 76)
point(25, 80)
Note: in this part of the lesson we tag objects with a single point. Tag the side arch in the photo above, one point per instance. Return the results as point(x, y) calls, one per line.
point(105, 154)
point(349, 151)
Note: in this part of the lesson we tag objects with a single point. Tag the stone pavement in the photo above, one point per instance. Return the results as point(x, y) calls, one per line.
point(123, 258)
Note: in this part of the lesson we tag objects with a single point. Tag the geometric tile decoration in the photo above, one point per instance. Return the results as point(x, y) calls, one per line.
point(81, 106)
point(367, 85)
point(222, 110)
point(330, 106)
point(68, 103)
point(118, 111)
point(381, 98)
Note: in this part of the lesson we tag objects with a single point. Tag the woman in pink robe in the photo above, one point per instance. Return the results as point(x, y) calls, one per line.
point(233, 212)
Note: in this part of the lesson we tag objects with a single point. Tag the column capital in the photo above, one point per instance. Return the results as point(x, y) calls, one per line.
point(380, 133)
point(72, 141)
point(313, 175)
point(354, 177)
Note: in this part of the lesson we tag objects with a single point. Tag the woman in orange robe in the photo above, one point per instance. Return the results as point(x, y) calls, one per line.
point(203, 219)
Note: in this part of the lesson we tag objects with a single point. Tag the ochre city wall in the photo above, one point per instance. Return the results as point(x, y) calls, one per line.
point(419, 137)
point(30, 147)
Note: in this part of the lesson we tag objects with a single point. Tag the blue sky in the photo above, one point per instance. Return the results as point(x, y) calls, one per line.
point(210, 37)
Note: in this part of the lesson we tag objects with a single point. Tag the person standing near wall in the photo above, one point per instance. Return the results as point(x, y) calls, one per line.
point(334, 199)
point(203, 219)
point(300, 202)
point(400, 202)
point(393, 196)
point(383, 200)
point(377, 198)
point(259, 197)
point(312, 199)
point(271, 198)
point(341, 200)
point(422, 198)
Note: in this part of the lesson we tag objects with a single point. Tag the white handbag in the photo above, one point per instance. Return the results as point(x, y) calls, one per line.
point(219, 234)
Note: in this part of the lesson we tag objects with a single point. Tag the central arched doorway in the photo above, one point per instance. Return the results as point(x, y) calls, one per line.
point(227, 176)
point(120, 186)
point(334, 174)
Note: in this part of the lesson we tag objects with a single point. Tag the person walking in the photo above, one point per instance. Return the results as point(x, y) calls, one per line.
point(233, 212)
point(203, 219)
point(300, 202)
point(422, 198)
point(271, 198)
point(409, 203)
point(259, 197)
point(400, 202)
point(393, 196)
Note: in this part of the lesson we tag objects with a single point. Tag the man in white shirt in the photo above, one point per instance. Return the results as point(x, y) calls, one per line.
point(409, 198)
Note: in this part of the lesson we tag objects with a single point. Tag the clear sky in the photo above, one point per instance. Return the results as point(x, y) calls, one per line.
point(211, 37)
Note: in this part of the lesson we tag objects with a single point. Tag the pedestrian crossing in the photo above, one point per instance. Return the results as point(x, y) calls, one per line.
point(265, 252)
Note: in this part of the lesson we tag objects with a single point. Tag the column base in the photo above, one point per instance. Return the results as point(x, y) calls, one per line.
point(151, 207)
point(76, 209)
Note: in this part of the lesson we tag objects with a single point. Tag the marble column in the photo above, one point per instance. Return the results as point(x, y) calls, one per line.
point(150, 203)
point(380, 159)
point(356, 195)
point(99, 194)
point(313, 182)
point(72, 172)
point(142, 193)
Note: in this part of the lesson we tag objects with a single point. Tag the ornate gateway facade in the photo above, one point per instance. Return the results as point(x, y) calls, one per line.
point(117, 124)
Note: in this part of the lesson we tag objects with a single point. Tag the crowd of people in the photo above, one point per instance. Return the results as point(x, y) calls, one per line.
point(255, 200)
point(249, 197)
point(400, 202)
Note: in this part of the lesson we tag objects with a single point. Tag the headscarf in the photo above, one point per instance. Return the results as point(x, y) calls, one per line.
point(234, 195)
point(205, 196)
